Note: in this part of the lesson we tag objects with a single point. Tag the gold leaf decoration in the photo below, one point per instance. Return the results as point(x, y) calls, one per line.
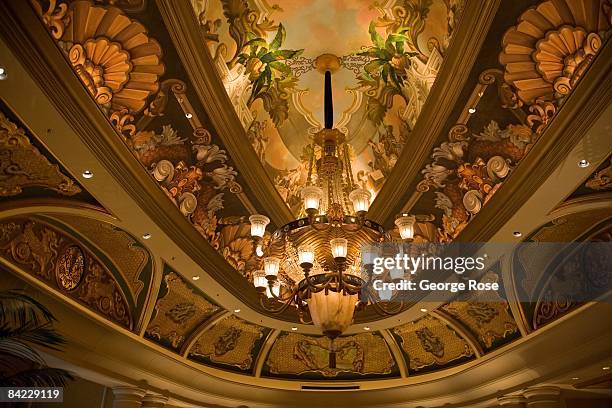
point(429, 342)
point(178, 312)
point(362, 354)
point(60, 262)
point(23, 166)
point(229, 342)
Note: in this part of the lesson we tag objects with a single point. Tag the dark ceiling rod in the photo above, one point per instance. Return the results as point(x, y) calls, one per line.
point(328, 104)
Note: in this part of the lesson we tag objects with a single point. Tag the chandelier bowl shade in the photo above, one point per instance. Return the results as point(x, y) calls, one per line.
point(332, 312)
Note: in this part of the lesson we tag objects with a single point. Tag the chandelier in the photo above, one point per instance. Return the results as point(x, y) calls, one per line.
point(314, 263)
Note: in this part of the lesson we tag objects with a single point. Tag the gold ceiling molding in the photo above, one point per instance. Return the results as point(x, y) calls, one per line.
point(365, 354)
point(467, 39)
point(112, 55)
point(63, 264)
point(179, 310)
point(22, 166)
point(551, 47)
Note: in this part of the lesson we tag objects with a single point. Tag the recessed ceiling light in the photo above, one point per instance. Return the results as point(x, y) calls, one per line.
point(606, 368)
point(517, 234)
point(87, 174)
point(423, 310)
point(583, 163)
point(188, 115)
point(146, 236)
point(480, 93)
point(236, 310)
point(2, 73)
point(575, 378)
point(294, 328)
point(472, 110)
point(195, 277)
point(366, 328)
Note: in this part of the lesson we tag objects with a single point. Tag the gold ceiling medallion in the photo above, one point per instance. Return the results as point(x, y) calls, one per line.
point(547, 53)
point(23, 166)
point(113, 56)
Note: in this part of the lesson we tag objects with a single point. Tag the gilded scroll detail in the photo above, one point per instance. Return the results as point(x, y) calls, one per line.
point(22, 165)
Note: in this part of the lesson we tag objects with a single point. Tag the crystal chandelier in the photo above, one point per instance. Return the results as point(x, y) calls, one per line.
point(314, 263)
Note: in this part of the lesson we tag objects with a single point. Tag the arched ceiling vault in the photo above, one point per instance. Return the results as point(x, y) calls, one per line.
point(170, 159)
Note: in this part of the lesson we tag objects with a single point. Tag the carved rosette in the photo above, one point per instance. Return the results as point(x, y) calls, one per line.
point(551, 47)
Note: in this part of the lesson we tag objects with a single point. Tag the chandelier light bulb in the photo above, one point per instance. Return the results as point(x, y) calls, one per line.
point(258, 225)
point(339, 247)
point(405, 225)
point(259, 279)
point(306, 255)
point(312, 196)
point(361, 200)
point(271, 266)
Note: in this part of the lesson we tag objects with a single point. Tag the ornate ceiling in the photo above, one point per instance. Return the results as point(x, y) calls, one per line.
point(389, 55)
point(130, 69)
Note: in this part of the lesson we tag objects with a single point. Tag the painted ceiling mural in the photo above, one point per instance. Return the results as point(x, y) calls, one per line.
point(390, 53)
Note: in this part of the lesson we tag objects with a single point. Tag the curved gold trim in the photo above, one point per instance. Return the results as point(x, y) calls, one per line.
point(396, 352)
point(460, 329)
point(195, 335)
point(262, 356)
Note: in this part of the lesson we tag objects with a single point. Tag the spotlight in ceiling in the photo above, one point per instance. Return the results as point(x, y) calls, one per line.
point(575, 378)
point(606, 368)
point(366, 328)
point(146, 236)
point(423, 310)
point(2, 74)
point(517, 234)
point(294, 328)
point(195, 277)
point(87, 174)
point(472, 110)
point(584, 163)
point(188, 115)
point(236, 310)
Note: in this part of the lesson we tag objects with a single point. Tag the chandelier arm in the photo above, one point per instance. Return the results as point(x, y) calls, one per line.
point(280, 298)
point(317, 227)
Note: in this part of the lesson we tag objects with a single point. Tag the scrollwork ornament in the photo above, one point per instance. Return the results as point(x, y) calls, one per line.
point(55, 17)
point(70, 268)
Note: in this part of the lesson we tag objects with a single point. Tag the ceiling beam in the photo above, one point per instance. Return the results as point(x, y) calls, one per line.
point(191, 47)
point(461, 54)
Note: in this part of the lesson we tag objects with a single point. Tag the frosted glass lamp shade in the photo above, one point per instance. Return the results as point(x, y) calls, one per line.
point(271, 266)
point(339, 247)
point(259, 279)
point(312, 196)
point(306, 255)
point(405, 225)
point(360, 199)
point(258, 225)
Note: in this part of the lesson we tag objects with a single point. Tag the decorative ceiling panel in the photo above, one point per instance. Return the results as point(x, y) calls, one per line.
point(363, 355)
point(389, 52)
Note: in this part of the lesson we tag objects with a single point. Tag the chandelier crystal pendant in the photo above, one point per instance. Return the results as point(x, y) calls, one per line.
point(314, 263)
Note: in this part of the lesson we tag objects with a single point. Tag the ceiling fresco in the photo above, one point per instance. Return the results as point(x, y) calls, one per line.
point(389, 55)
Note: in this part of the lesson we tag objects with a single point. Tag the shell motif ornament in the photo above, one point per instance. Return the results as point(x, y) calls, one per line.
point(113, 56)
point(551, 47)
